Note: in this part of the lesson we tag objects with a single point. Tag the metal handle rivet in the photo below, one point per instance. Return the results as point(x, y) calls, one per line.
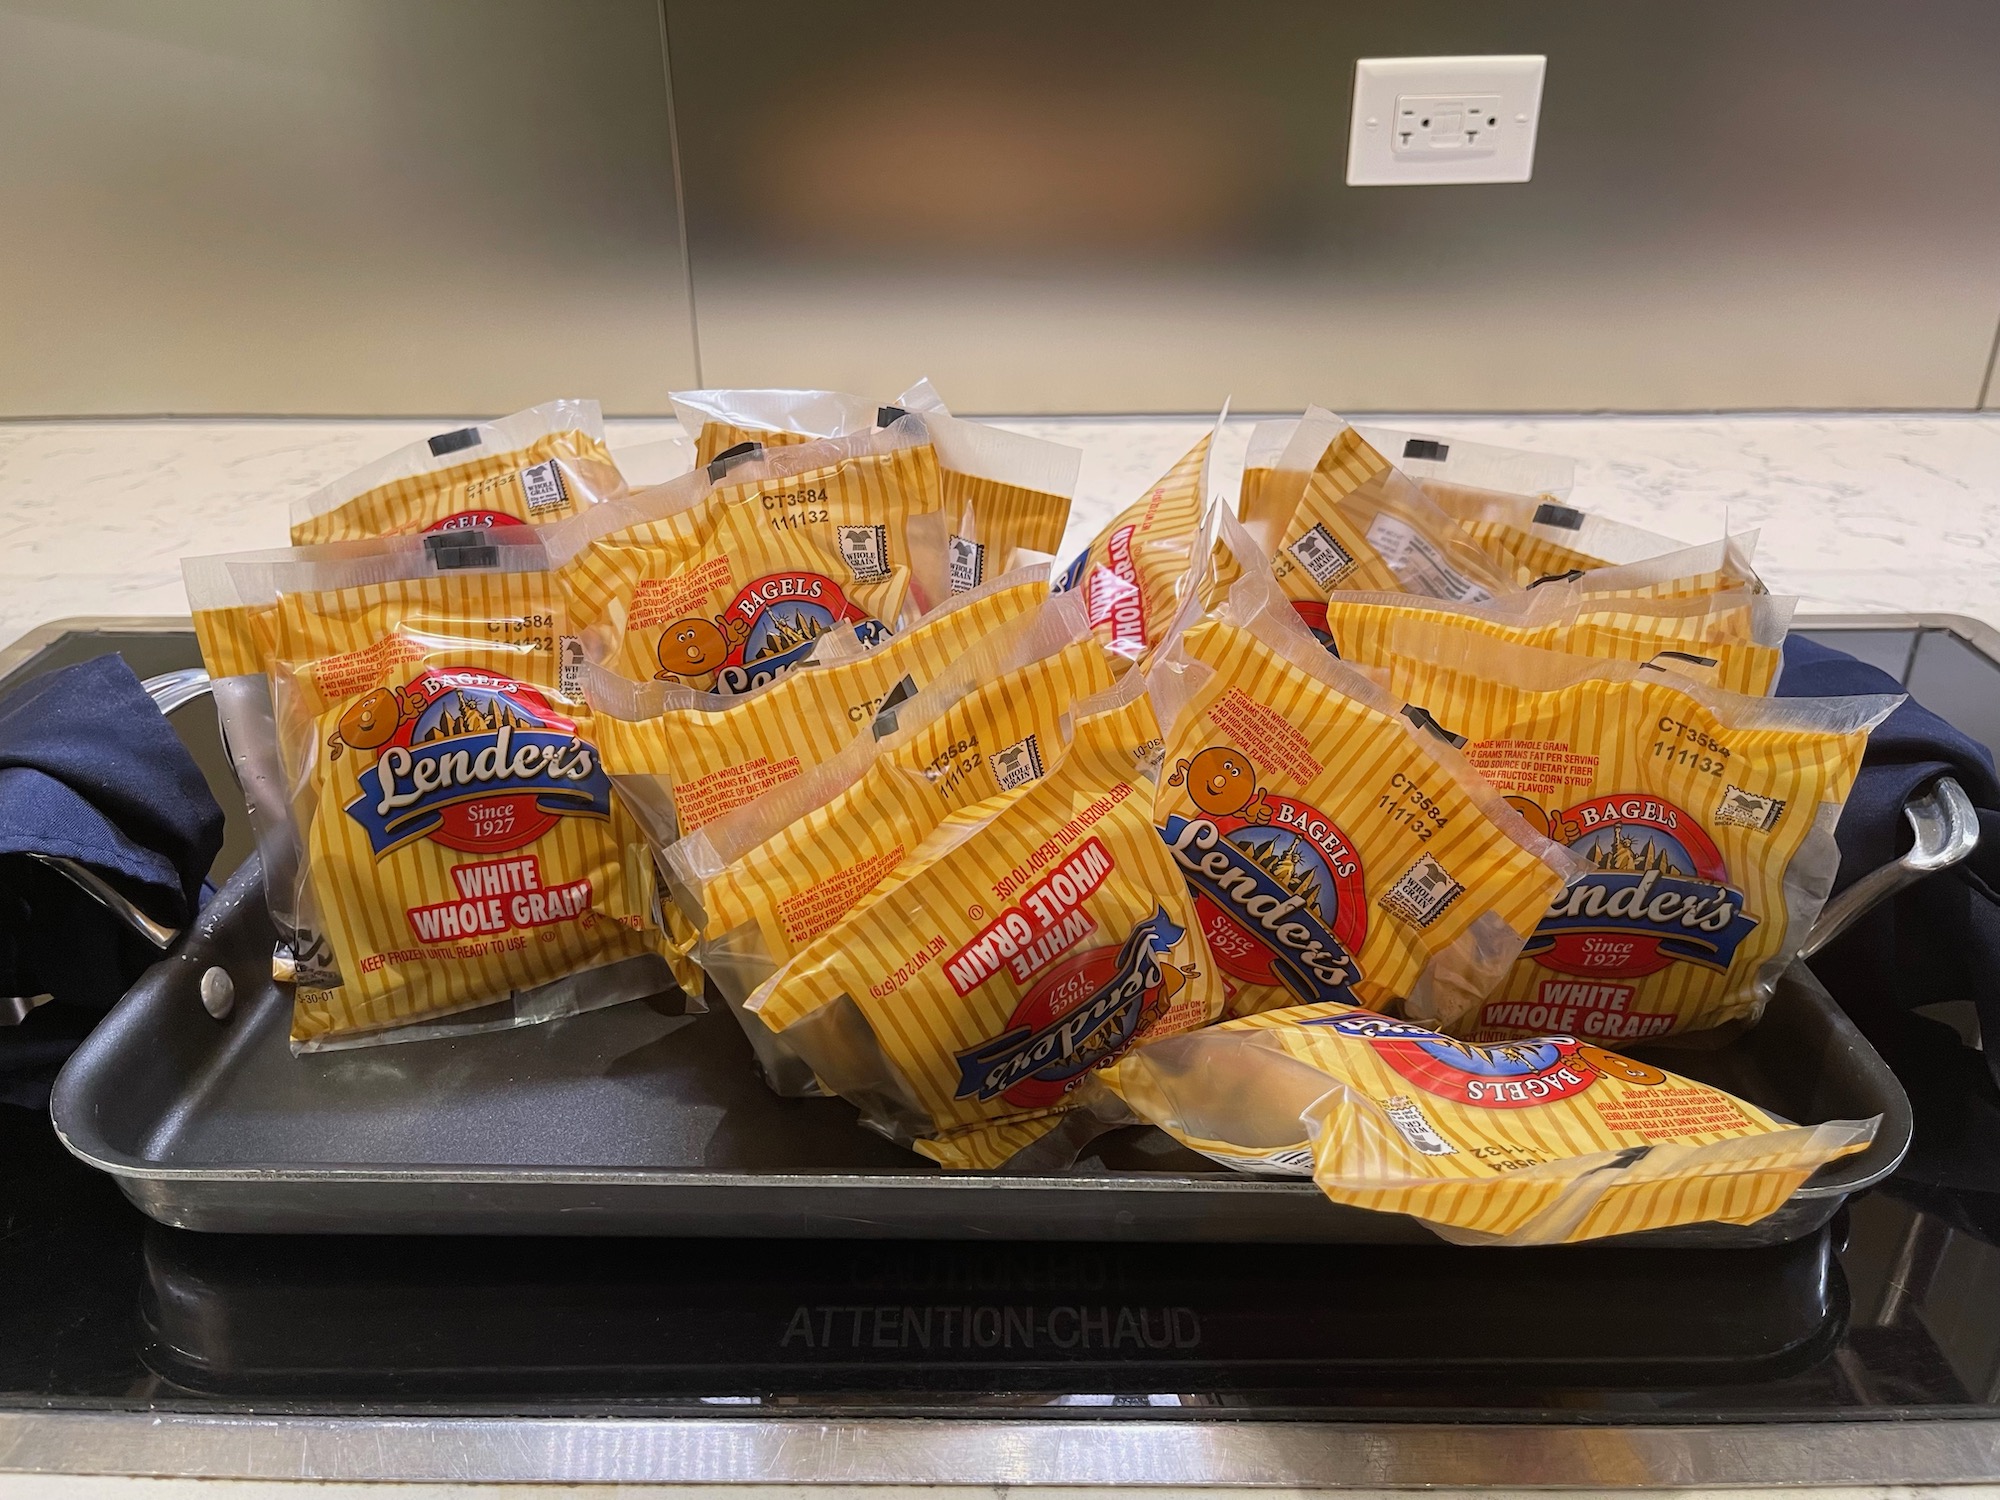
point(218, 993)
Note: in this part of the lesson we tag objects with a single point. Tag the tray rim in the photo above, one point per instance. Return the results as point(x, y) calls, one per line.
point(73, 1127)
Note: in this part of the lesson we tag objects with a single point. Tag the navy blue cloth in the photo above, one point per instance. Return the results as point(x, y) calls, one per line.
point(1939, 940)
point(89, 769)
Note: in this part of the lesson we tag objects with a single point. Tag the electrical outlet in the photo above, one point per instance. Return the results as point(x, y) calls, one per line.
point(1444, 120)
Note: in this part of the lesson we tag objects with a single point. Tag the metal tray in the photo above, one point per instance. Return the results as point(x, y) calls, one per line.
point(637, 1120)
point(633, 1120)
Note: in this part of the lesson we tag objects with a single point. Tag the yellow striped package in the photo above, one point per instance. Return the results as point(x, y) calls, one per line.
point(537, 466)
point(1334, 849)
point(684, 758)
point(1548, 1140)
point(234, 598)
point(1006, 496)
point(766, 880)
point(1264, 498)
point(1704, 821)
point(1361, 524)
point(1731, 640)
point(1131, 575)
point(722, 586)
point(717, 420)
point(1031, 939)
point(1715, 567)
point(1514, 503)
point(471, 867)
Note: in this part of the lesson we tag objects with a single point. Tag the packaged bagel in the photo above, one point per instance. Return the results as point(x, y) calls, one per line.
point(537, 466)
point(1260, 504)
point(1131, 574)
point(762, 882)
point(1544, 1141)
point(1514, 504)
point(724, 579)
point(1031, 939)
point(234, 599)
point(717, 421)
point(1335, 850)
point(1704, 822)
point(1006, 496)
point(1732, 640)
point(1360, 523)
point(1716, 567)
point(470, 866)
point(684, 758)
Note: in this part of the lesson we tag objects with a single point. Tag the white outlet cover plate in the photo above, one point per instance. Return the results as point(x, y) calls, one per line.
point(1425, 120)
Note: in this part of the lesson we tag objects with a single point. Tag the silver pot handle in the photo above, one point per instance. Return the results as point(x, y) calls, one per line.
point(172, 689)
point(1947, 829)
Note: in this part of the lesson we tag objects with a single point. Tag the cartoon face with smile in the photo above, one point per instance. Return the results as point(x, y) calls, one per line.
point(693, 649)
point(1222, 784)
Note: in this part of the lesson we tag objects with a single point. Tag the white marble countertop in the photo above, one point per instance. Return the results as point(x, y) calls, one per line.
point(1858, 512)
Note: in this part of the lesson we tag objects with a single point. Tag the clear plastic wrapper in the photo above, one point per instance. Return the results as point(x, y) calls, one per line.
point(729, 576)
point(766, 880)
point(1133, 575)
point(1704, 821)
point(1731, 640)
point(1006, 497)
point(536, 466)
point(686, 757)
point(459, 850)
point(1335, 849)
point(645, 465)
point(1689, 572)
point(718, 420)
point(233, 597)
point(1546, 1141)
point(1362, 524)
point(1260, 504)
point(1030, 939)
point(1514, 503)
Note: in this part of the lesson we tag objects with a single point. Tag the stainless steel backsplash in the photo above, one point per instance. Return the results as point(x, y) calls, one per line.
point(461, 206)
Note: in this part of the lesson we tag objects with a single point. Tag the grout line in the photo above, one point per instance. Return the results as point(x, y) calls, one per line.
point(680, 195)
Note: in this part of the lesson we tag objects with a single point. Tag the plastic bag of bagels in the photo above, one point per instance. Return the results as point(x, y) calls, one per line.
point(1703, 819)
point(1334, 849)
point(1030, 939)
point(719, 420)
point(537, 466)
point(1006, 497)
point(1361, 523)
point(1133, 573)
point(1543, 1141)
point(1514, 503)
point(234, 598)
point(469, 864)
point(762, 882)
point(685, 757)
point(1731, 640)
point(724, 579)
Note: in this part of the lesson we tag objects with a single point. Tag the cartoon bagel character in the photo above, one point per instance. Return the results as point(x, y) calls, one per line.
point(1173, 979)
point(371, 720)
point(691, 650)
point(1611, 1065)
point(1222, 784)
